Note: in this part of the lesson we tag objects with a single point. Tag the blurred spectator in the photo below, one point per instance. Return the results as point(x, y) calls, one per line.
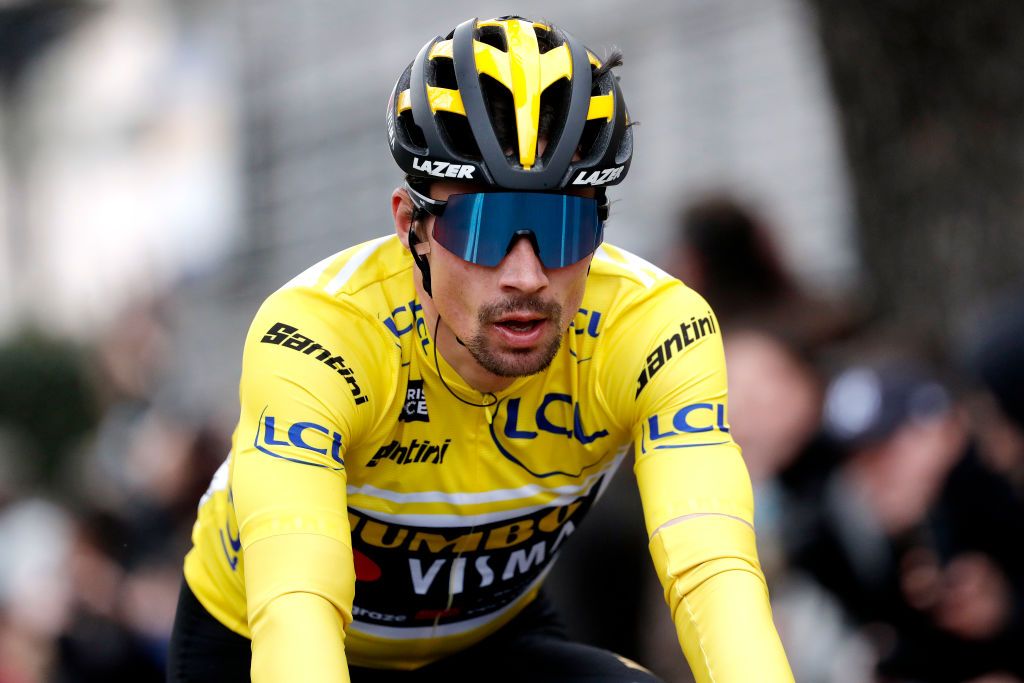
point(89, 587)
point(997, 360)
point(36, 369)
point(901, 535)
point(729, 255)
point(776, 391)
point(775, 401)
point(35, 590)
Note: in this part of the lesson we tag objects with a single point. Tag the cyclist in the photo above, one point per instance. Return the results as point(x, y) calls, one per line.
point(427, 417)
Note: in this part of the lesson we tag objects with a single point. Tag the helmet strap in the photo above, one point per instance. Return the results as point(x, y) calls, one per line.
point(419, 258)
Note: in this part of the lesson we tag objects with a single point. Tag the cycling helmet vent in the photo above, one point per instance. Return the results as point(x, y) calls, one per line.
point(444, 73)
point(490, 95)
point(458, 134)
point(493, 36)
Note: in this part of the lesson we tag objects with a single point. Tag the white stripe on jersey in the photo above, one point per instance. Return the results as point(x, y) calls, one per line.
point(645, 271)
point(477, 498)
point(357, 259)
point(309, 276)
point(440, 521)
point(219, 481)
point(562, 495)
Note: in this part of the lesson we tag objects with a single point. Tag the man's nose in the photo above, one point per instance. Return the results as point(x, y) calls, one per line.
point(521, 268)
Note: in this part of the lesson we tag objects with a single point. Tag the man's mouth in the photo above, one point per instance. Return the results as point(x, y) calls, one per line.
point(520, 330)
point(519, 324)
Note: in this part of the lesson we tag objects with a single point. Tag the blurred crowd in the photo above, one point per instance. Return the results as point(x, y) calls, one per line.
point(98, 490)
point(888, 471)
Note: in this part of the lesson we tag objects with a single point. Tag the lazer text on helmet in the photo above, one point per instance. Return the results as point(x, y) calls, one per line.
point(598, 177)
point(443, 169)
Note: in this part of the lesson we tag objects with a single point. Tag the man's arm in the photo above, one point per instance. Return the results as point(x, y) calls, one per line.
point(696, 493)
point(299, 416)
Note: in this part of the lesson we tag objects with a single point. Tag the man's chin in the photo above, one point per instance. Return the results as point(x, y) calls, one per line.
point(515, 362)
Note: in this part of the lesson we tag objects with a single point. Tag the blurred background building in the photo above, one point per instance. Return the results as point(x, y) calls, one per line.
point(843, 184)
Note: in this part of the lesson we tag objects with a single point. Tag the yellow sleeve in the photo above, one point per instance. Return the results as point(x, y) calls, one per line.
point(305, 395)
point(696, 493)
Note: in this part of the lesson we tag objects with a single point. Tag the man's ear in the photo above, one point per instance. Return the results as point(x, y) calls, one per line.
point(402, 212)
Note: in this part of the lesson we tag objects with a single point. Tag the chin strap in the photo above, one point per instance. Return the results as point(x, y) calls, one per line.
point(437, 366)
point(418, 248)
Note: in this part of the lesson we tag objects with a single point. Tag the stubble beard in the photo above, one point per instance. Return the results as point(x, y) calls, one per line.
point(516, 362)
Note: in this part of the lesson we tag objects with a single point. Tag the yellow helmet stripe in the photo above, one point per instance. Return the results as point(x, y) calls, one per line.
point(442, 48)
point(493, 62)
point(524, 57)
point(555, 64)
point(404, 102)
point(524, 71)
point(601, 106)
point(441, 99)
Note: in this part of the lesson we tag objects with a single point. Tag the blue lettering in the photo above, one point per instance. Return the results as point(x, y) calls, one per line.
point(421, 324)
point(393, 326)
point(268, 433)
point(232, 559)
point(511, 427)
point(295, 435)
point(295, 438)
point(236, 540)
point(336, 447)
point(580, 433)
point(544, 424)
point(681, 420)
point(542, 420)
point(721, 418)
point(413, 308)
point(655, 428)
point(590, 327)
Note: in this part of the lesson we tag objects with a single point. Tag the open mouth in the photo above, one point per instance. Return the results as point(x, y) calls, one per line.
point(520, 326)
point(521, 331)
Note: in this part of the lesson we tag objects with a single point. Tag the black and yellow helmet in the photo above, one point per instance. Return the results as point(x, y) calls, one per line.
point(510, 104)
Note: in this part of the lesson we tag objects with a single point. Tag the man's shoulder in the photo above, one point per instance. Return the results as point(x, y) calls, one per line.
point(351, 270)
point(353, 289)
point(331, 321)
point(616, 263)
point(621, 280)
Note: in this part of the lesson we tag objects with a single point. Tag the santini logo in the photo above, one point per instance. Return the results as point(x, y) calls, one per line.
point(416, 451)
point(688, 333)
point(598, 177)
point(443, 169)
point(289, 337)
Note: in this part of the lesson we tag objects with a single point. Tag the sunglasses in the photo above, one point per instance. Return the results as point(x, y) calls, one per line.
point(482, 227)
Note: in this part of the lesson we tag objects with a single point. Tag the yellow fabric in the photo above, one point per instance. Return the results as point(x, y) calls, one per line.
point(367, 516)
point(719, 601)
point(298, 611)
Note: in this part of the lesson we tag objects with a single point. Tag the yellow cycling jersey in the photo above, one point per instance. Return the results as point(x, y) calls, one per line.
point(376, 510)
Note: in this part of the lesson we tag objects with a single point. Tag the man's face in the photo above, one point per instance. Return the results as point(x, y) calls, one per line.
point(511, 317)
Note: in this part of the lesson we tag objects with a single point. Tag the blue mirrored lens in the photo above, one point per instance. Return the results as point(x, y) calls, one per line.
point(482, 227)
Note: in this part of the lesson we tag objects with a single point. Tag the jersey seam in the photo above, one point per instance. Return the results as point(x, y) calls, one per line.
point(379, 281)
point(700, 639)
point(694, 515)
